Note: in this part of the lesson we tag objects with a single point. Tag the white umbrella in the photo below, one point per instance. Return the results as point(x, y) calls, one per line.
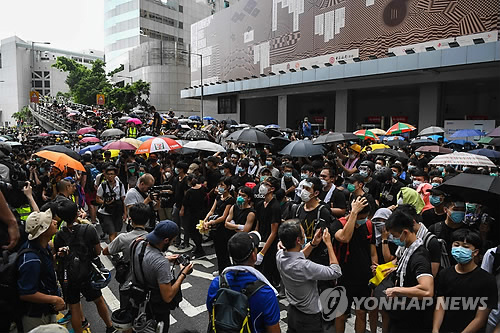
point(205, 145)
point(431, 130)
point(462, 159)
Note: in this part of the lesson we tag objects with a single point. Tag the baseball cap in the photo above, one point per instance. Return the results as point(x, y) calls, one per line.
point(193, 167)
point(49, 328)
point(111, 167)
point(164, 229)
point(37, 223)
point(355, 178)
point(242, 244)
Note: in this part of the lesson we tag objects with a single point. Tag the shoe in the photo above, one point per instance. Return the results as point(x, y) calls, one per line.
point(66, 319)
point(85, 325)
point(110, 329)
point(198, 255)
point(215, 274)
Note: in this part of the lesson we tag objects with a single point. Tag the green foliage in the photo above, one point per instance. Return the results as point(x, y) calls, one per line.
point(116, 70)
point(127, 97)
point(24, 114)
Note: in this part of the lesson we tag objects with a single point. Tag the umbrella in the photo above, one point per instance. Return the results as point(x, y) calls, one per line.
point(390, 152)
point(434, 149)
point(183, 150)
point(272, 126)
point(144, 138)
point(112, 132)
point(423, 142)
point(495, 133)
point(335, 137)
point(85, 130)
point(485, 152)
point(302, 148)
point(54, 132)
point(2, 139)
point(431, 130)
point(397, 143)
point(124, 119)
point(61, 160)
point(249, 135)
point(461, 142)
point(473, 188)
point(366, 135)
point(71, 115)
point(376, 146)
point(486, 139)
point(134, 142)
point(156, 145)
point(62, 149)
point(90, 148)
point(208, 118)
point(377, 131)
point(119, 145)
point(89, 139)
point(462, 159)
point(280, 142)
point(89, 135)
point(13, 143)
point(230, 121)
point(205, 146)
point(135, 121)
point(43, 134)
point(436, 137)
point(399, 128)
point(195, 135)
point(495, 142)
point(260, 127)
point(464, 133)
point(194, 117)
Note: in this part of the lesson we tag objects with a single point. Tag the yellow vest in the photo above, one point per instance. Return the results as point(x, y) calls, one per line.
point(132, 132)
point(24, 212)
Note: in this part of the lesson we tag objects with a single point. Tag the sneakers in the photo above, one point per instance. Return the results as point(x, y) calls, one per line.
point(197, 254)
point(66, 319)
point(215, 274)
point(85, 325)
point(110, 329)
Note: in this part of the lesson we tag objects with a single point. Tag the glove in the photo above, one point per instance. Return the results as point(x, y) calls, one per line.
point(260, 257)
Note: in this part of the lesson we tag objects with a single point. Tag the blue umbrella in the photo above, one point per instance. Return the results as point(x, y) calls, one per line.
point(485, 152)
point(54, 132)
point(435, 137)
point(208, 118)
point(466, 133)
point(194, 117)
point(90, 148)
point(273, 126)
point(461, 142)
point(145, 138)
point(89, 135)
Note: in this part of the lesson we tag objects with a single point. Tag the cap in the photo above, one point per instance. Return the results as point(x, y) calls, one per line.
point(356, 177)
point(356, 147)
point(193, 167)
point(212, 159)
point(227, 165)
point(164, 229)
point(69, 179)
point(242, 244)
point(435, 191)
point(382, 213)
point(37, 223)
point(306, 119)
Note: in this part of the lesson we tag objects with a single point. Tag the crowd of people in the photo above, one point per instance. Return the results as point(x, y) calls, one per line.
point(372, 227)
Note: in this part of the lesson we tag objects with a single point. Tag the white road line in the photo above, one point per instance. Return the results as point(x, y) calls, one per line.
point(284, 302)
point(190, 310)
point(202, 275)
point(204, 263)
point(172, 320)
point(185, 285)
point(211, 256)
point(110, 299)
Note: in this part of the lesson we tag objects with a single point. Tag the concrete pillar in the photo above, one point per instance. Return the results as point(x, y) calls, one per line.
point(282, 111)
point(341, 110)
point(429, 106)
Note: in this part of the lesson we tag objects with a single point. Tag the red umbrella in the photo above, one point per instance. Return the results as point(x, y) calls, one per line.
point(119, 145)
point(399, 128)
point(85, 130)
point(89, 139)
point(136, 121)
point(44, 134)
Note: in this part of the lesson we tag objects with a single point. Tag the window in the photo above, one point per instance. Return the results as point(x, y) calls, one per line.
point(0, 60)
point(227, 104)
point(46, 73)
point(47, 84)
point(181, 25)
point(181, 9)
point(38, 84)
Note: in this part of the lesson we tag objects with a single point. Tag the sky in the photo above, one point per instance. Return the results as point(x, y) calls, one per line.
point(72, 25)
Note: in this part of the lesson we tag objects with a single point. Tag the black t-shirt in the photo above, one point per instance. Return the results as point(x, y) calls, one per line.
point(355, 256)
point(241, 181)
point(373, 187)
point(429, 217)
point(220, 205)
point(267, 215)
point(156, 173)
point(180, 187)
point(389, 192)
point(194, 202)
point(477, 283)
point(288, 184)
point(337, 200)
point(212, 177)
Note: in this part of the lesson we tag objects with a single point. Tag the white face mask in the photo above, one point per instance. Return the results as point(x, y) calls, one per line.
point(251, 163)
point(305, 196)
point(168, 174)
point(263, 189)
point(324, 183)
point(378, 167)
point(400, 201)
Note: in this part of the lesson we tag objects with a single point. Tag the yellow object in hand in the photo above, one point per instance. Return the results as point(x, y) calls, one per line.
point(201, 228)
point(379, 275)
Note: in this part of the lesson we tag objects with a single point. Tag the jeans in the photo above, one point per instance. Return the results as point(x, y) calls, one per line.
point(178, 220)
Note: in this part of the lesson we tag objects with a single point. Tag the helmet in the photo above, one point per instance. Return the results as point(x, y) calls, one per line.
point(66, 141)
point(122, 319)
point(80, 137)
point(58, 139)
point(100, 277)
point(383, 174)
point(369, 164)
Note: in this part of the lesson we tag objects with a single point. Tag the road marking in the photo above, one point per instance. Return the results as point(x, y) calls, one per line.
point(185, 285)
point(211, 256)
point(172, 320)
point(110, 299)
point(204, 263)
point(284, 302)
point(190, 310)
point(202, 275)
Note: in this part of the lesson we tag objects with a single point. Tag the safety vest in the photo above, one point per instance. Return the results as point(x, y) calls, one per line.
point(132, 132)
point(110, 123)
point(24, 212)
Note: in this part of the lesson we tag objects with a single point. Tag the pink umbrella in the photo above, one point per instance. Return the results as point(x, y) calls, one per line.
point(85, 130)
point(119, 145)
point(90, 139)
point(44, 134)
point(135, 121)
point(71, 115)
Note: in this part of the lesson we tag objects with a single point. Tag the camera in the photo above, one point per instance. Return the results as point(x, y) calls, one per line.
point(18, 184)
point(183, 259)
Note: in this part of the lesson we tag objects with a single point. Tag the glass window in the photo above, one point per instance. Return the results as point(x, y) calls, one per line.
point(46, 73)
point(227, 104)
point(181, 25)
point(47, 84)
point(181, 9)
point(38, 84)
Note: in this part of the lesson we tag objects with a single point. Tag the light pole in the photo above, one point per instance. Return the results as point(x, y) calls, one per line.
point(33, 61)
point(201, 77)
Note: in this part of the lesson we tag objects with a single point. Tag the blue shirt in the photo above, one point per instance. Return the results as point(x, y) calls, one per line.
point(264, 308)
point(306, 129)
point(36, 274)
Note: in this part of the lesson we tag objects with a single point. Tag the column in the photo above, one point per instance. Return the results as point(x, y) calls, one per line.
point(282, 111)
point(341, 110)
point(429, 105)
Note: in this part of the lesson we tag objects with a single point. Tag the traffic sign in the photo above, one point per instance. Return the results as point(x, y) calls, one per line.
point(34, 96)
point(100, 99)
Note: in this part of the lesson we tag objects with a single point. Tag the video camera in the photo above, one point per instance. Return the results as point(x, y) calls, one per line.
point(183, 259)
point(15, 185)
point(158, 191)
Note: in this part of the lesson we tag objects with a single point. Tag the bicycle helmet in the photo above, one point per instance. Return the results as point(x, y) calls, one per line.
point(369, 164)
point(383, 174)
point(100, 277)
point(122, 319)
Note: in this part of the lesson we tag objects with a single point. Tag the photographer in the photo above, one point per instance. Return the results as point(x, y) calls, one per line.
point(140, 194)
point(110, 195)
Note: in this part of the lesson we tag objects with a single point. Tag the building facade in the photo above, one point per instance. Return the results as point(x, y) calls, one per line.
point(26, 66)
point(349, 64)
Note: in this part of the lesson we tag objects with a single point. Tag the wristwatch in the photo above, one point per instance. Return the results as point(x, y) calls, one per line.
point(385, 241)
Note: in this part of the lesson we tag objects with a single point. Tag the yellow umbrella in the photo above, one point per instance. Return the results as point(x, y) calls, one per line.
point(376, 146)
point(134, 142)
point(114, 153)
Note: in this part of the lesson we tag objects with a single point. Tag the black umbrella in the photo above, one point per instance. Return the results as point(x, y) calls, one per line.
point(272, 132)
point(279, 143)
point(230, 121)
point(195, 135)
point(423, 142)
point(335, 137)
point(469, 187)
point(62, 149)
point(302, 148)
point(397, 143)
point(389, 152)
point(249, 135)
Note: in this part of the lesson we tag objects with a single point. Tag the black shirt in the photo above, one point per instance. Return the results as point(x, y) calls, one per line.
point(389, 192)
point(212, 177)
point(155, 171)
point(180, 188)
point(373, 187)
point(429, 217)
point(477, 283)
point(194, 202)
point(220, 205)
point(267, 215)
point(241, 181)
point(337, 200)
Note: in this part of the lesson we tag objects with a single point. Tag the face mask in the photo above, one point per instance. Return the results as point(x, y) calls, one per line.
point(268, 163)
point(352, 156)
point(131, 170)
point(443, 174)
point(222, 172)
point(351, 188)
point(461, 254)
point(263, 189)
point(240, 201)
point(141, 173)
point(398, 241)
point(457, 216)
point(395, 174)
point(251, 163)
point(411, 167)
point(176, 170)
point(378, 167)
point(417, 153)
point(287, 175)
point(237, 170)
point(305, 196)
point(221, 190)
point(435, 200)
point(303, 176)
point(435, 184)
point(168, 174)
point(440, 169)
point(470, 207)
point(363, 174)
point(416, 183)
point(324, 183)
point(400, 201)
point(361, 222)
point(494, 174)
point(42, 170)
point(206, 165)
point(262, 178)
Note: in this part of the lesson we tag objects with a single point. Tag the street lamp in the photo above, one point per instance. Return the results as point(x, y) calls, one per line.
point(33, 61)
point(201, 76)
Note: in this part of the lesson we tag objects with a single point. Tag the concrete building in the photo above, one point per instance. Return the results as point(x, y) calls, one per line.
point(17, 58)
point(151, 38)
point(349, 65)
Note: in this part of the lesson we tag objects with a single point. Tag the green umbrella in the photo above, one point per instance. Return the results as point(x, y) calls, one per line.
point(485, 139)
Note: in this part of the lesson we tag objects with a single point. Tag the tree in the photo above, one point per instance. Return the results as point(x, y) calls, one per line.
point(23, 115)
point(129, 96)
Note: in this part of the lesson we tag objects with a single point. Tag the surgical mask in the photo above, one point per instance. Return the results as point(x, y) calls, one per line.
point(176, 170)
point(269, 163)
point(363, 174)
point(288, 175)
point(206, 165)
point(440, 169)
point(324, 183)
point(395, 174)
point(435, 200)
point(411, 167)
point(457, 216)
point(378, 167)
point(435, 184)
point(305, 196)
point(494, 174)
point(237, 169)
point(416, 183)
point(398, 241)
point(251, 163)
point(221, 190)
point(240, 201)
point(303, 176)
point(361, 222)
point(417, 153)
point(443, 174)
point(461, 254)
point(470, 207)
point(42, 170)
point(351, 188)
point(222, 172)
point(263, 189)
point(400, 201)
point(262, 178)
point(352, 156)
point(141, 174)
point(131, 170)
point(168, 174)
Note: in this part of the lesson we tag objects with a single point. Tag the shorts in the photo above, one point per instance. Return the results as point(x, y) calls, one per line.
point(89, 197)
point(110, 224)
point(73, 292)
point(357, 291)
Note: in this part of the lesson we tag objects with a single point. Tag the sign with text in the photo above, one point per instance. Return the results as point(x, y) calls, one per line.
point(399, 119)
point(100, 99)
point(34, 97)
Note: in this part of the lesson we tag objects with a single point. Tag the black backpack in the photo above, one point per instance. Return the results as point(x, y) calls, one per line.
point(445, 257)
point(230, 309)
point(77, 264)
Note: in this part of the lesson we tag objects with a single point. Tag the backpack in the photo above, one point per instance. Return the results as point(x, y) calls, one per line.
point(298, 209)
point(92, 173)
point(230, 308)
point(338, 245)
point(76, 265)
point(445, 258)
point(15, 196)
point(495, 270)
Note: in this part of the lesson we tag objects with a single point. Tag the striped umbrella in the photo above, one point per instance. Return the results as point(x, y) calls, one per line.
point(156, 145)
point(462, 159)
point(399, 128)
point(366, 135)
